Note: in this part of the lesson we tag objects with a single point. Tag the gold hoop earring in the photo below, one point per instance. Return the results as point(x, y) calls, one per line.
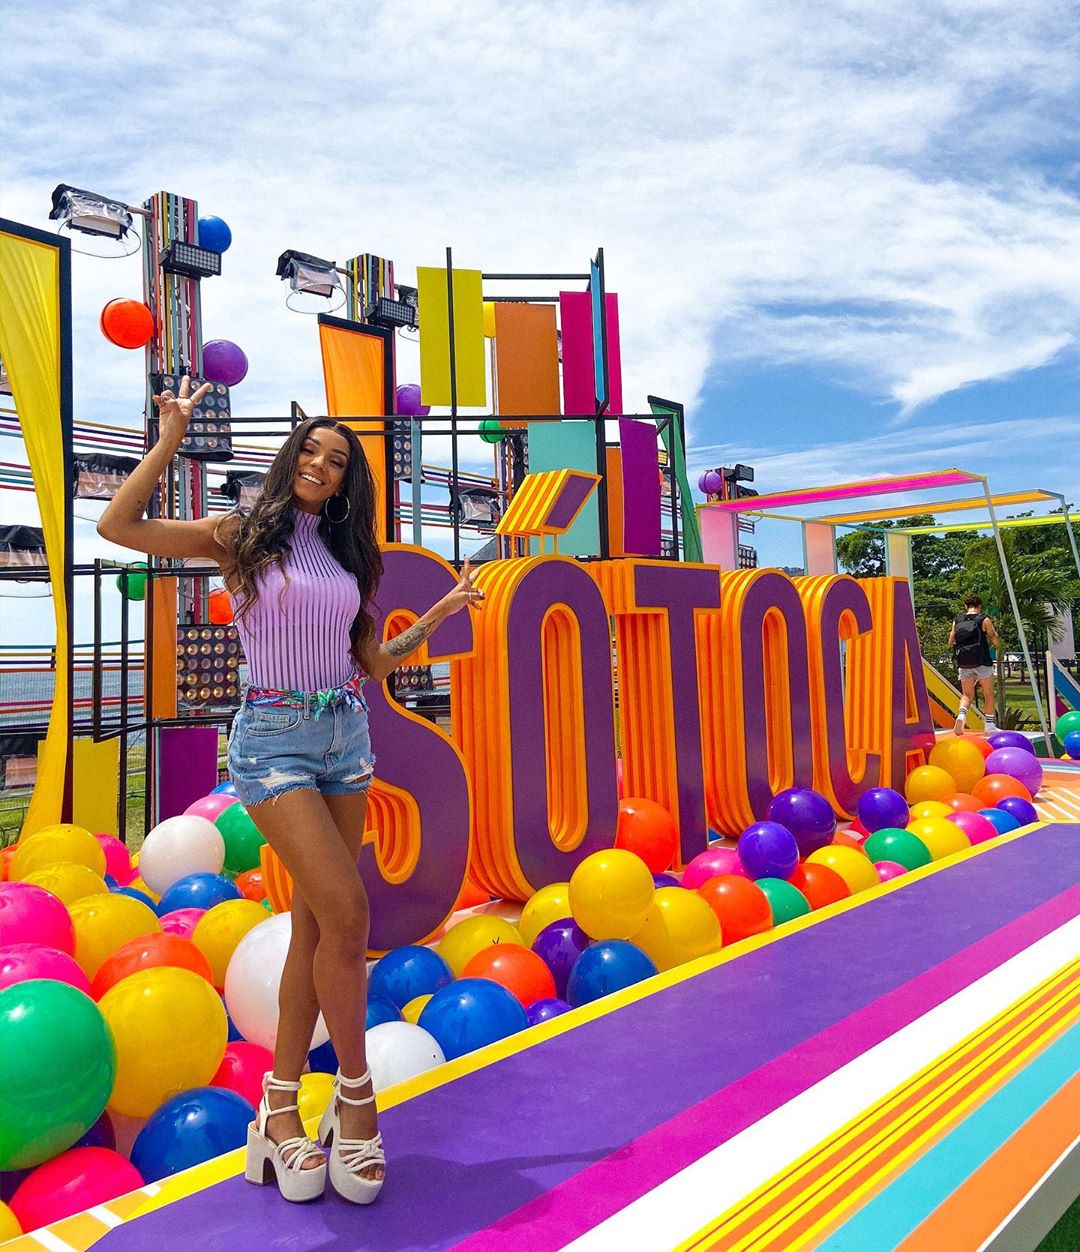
point(336, 521)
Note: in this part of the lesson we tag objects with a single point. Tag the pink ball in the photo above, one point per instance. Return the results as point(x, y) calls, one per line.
point(181, 922)
point(71, 1182)
point(117, 859)
point(242, 1069)
point(30, 914)
point(1018, 764)
point(977, 828)
point(19, 962)
point(210, 806)
point(710, 864)
point(887, 870)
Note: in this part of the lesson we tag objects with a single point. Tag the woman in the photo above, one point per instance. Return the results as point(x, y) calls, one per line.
point(302, 569)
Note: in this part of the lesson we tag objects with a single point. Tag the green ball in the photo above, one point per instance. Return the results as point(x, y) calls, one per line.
point(136, 582)
point(57, 1068)
point(1067, 723)
point(491, 431)
point(242, 839)
point(787, 902)
point(893, 844)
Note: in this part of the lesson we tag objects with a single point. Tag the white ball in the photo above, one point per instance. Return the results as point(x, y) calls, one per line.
point(253, 978)
point(180, 846)
point(397, 1051)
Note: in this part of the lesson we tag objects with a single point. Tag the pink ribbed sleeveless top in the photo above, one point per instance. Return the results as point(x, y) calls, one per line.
point(296, 636)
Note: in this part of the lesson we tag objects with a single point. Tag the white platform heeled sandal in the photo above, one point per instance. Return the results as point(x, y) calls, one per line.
point(348, 1157)
point(285, 1159)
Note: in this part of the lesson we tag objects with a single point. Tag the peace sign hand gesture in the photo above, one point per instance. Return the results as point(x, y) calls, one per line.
point(464, 593)
point(174, 412)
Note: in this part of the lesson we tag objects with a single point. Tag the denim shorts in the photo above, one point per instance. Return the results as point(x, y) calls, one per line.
point(275, 750)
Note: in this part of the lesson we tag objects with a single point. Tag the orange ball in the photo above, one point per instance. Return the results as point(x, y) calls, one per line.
point(648, 830)
point(740, 905)
point(251, 885)
point(994, 787)
point(148, 952)
point(221, 609)
point(517, 969)
point(961, 803)
point(847, 840)
point(928, 782)
point(127, 323)
point(820, 884)
point(984, 746)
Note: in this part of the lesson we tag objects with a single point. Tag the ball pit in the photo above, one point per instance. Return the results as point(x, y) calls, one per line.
point(1010, 739)
point(117, 859)
point(1066, 724)
point(545, 1010)
point(1071, 744)
point(411, 1012)
point(243, 840)
point(178, 847)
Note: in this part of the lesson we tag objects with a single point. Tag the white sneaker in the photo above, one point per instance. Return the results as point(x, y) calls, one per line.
point(960, 725)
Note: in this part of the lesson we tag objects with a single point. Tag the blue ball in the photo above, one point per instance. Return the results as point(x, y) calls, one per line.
point(214, 234)
point(224, 789)
point(408, 972)
point(544, 1010)
point(768, 850)
point(1001, 821)
point(234, 1036)
point(192, 1127)
point(198, 891)
point(380, 1010)
point(1071, 744)
point(323, 1059)
point(607, 967)
point(469, 1013)
point(136, 894)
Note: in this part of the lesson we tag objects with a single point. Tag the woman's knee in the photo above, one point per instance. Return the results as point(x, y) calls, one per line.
point(345, 923)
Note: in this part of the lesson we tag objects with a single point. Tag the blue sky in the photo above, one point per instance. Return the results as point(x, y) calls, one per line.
point(847, 235)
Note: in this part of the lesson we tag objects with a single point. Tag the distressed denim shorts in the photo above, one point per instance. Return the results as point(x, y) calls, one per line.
point(273, 750)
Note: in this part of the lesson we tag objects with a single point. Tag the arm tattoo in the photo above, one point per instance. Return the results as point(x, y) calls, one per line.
point(409, 640)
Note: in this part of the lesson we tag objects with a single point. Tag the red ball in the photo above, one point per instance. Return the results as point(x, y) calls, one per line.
point(740, 905)
point(517, 969)
point(71, 1182)
point(242, 1069)
point(221, 609)
point(149, 952)
point(127, 323)
point(648, 830)
point(251, 885)
point(963, 803)
point(820, 884)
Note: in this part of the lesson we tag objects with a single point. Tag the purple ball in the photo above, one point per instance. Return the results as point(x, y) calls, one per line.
point(701, 482)
point(1016, 806)
point(559, 945)
point(1018, 764)
point(408, 401)
point(544, 1010)
point(224, 362)
point(666, 880)
point(712, 483)
point(881, 808)
point(768, 850)
point(1010, 739)
point(807, 814)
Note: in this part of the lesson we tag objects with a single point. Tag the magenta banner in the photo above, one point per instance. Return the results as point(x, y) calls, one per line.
point(575, 316)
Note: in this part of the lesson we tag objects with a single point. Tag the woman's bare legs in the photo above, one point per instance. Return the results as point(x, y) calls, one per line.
point(318, 839)
point(968, 687)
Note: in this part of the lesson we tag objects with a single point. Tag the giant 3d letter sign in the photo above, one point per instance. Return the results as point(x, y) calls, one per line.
point(731, 687)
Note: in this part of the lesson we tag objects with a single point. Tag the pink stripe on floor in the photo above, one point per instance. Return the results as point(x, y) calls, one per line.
point(596, 1193)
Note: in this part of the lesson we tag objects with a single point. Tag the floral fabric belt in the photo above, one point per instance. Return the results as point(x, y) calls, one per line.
point(315, 702)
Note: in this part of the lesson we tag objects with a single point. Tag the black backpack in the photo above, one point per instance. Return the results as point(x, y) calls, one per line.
point(971, 649)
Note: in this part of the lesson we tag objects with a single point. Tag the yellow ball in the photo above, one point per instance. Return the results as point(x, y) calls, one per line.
point(929, 782)
point(679, 927)
point(221, 928)
point(68, 882)
point(140, 884)
point(103, 922)
point(314, 1095)
point(611, 893)
point(170, 1030)
point(9, 1224)
point(929, 808)
point(942, 837)
point(961, 759)
point(853, 866)
point(549, 904)
point(63, 842)
point(464, 939)
point(411, 1012)
point(489, 319)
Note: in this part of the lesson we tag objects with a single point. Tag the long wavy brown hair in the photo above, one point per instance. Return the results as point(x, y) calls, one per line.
point(261, 537)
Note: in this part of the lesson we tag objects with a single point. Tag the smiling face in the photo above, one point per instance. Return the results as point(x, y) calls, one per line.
point(320, 468)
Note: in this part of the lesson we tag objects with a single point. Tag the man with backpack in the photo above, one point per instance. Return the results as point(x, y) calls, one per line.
point(971, 637)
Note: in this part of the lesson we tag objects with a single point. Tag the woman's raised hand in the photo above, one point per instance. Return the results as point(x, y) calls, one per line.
point(174, 411)
point(465, 592)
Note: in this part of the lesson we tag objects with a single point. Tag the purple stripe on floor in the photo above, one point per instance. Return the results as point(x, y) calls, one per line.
point(469, 1153)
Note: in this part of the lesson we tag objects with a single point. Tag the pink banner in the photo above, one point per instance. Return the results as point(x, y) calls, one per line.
point(579, 395)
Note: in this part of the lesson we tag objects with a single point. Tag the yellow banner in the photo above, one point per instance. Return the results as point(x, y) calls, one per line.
point(435, 337)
